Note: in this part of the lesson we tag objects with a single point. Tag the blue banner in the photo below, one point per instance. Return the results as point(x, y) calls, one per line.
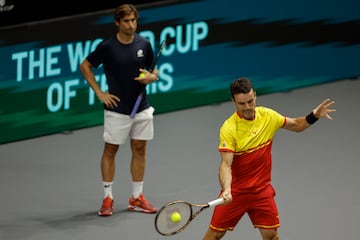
point(281, 45)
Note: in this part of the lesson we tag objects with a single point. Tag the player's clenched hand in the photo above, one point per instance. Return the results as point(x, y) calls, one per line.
point(323, 109)
point(226, 195)
point(111, 101)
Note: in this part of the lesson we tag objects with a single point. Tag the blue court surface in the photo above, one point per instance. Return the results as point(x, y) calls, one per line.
point(51, 186)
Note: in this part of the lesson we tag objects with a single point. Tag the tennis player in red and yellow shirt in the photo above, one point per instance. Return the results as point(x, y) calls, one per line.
point(245, 144)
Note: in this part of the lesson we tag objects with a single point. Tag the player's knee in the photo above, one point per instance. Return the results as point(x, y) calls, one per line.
point(269, 234)
point(219, 236)
point(275, 238)
point(213, 235)
point(138, 147)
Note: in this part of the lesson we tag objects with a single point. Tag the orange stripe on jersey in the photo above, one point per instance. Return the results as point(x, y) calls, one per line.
point(254, 149)
point(268, 227)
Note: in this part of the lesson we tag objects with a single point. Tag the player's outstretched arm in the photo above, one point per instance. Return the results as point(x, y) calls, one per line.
point(301, 123)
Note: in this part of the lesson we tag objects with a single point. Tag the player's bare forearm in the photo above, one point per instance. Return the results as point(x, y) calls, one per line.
point(299, 124)
point(296, 124)
point(108, 99)
point(225, 176)
point(85, 68)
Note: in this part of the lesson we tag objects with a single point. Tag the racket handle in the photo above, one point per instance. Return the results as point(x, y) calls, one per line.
point(136, 106)
point(216, 202)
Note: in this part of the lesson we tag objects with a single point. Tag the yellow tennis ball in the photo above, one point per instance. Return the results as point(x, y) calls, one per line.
point(142, 74)
point(175, 217)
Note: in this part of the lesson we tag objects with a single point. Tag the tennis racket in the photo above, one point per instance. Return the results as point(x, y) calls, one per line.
point(164, 224)
point(140, 96)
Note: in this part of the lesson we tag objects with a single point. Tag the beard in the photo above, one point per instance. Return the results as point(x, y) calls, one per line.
point(129, 31)
point(248, 114)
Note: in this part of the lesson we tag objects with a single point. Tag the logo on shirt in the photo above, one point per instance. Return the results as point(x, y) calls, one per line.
point(140, 53)
point(255, 131)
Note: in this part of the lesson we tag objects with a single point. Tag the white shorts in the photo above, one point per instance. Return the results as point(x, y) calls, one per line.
point(118, 127)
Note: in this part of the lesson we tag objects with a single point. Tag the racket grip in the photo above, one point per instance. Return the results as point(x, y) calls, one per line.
point(136, 106)
point(216, 202)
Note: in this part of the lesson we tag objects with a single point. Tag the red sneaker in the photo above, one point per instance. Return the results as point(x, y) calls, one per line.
point(107, 207)
point(141, 205)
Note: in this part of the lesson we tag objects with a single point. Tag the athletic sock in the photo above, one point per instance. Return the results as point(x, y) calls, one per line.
point(108, 189)
point(137, 189)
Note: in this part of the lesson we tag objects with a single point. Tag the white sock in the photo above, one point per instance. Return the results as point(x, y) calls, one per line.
point(108, 189)
point(137, 189)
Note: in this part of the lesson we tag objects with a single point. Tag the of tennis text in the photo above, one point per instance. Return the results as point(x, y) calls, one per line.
point(59, 64)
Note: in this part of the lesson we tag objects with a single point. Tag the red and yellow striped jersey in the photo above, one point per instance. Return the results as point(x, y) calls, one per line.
point(251, 142)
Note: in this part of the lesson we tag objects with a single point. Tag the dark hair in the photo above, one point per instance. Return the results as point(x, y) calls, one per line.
point(124, 10)
point(240, 85)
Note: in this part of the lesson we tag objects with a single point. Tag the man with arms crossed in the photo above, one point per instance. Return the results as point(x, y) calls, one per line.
point(245, 170)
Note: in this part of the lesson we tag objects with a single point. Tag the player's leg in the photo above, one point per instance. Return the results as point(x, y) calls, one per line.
point(264, 214)
point(269, 234)
point(212, 235)
point(116, 130)
point(138, 160)
point(108, 172)
point(108, 162)
point(226, 217)
point(142, 131)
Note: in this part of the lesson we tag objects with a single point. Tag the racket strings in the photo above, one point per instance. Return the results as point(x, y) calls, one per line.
point(163, 223)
